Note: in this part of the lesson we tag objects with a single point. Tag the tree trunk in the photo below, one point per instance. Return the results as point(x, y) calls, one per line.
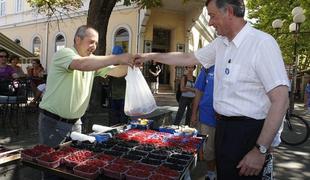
point(99, 13)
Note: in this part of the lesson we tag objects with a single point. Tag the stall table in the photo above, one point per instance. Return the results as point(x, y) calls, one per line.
point(9, 160)
point(64, 172)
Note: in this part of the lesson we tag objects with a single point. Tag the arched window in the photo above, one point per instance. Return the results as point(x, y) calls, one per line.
point(122, 38)
point(36, 46)
point(60, 42)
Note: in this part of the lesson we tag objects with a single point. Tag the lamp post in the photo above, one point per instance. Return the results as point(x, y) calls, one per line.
point(294, 29)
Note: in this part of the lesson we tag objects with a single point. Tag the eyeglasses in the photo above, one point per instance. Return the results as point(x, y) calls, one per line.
point(2, 56)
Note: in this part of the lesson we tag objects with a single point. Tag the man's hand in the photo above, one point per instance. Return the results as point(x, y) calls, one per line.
point(126, 59)
point(138, 60)
point(252, 163)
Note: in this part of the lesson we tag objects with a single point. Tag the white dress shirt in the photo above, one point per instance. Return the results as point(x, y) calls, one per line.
point(246, 69)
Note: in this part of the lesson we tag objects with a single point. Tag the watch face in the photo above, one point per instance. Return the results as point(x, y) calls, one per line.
point(262, 149)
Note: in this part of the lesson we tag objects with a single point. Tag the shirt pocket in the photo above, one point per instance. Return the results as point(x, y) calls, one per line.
point(231, 73)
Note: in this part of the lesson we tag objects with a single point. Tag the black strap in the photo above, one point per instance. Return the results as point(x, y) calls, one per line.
point(58, 118)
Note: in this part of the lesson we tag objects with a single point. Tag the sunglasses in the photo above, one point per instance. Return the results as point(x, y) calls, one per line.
point(2, 56)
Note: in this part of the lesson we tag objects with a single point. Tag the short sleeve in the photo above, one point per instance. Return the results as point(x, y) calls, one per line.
point(206, 55)
point(270, 66)
point(64, 57)
point(104, 71)
point(201, 81)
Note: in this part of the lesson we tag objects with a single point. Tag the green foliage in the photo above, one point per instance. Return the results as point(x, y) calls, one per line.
point(50, 7)
point(264, 12)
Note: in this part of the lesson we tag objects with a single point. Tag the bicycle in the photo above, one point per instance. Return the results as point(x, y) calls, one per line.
point(296, 130)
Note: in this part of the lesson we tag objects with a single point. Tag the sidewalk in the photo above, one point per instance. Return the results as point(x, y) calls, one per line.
point(291, 163)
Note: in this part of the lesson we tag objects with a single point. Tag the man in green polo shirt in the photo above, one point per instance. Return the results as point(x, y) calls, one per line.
point(69, 85)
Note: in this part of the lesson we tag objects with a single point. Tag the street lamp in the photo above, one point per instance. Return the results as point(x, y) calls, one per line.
point(294, 28)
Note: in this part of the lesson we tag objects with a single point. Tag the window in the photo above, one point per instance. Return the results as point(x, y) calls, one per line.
point(18, 5)
point(60, 42)
point(122, 38)
point(2, 7)
point(36, 46)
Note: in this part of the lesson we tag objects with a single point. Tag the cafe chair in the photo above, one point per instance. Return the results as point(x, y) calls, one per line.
point(13, 103)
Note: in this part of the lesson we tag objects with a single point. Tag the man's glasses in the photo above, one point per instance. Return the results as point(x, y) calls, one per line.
point(2, 56)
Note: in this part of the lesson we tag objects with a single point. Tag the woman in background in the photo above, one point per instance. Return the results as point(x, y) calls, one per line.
point(35, 74)
point(6, 71)
point(15, 65)
point(187, 96)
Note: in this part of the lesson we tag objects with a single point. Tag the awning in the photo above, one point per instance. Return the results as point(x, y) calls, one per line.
point(13, 48)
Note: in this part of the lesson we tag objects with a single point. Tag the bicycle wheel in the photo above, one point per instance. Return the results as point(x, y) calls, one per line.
point(295, 131)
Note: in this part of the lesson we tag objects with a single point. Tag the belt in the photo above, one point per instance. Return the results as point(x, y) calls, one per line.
point(233, 118)
point(58, 118)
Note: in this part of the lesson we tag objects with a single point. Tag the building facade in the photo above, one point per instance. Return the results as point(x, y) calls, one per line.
point(173, 27)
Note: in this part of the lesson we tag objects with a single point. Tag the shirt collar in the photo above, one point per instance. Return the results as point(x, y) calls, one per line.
point(239, 37)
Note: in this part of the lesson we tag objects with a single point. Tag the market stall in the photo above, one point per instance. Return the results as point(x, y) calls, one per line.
point(135, 153)
point(9, 159)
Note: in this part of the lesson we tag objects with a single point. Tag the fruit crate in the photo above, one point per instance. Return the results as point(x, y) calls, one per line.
point(87, 171)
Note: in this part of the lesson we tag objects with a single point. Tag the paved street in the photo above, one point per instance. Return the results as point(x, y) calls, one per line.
point(291, 163)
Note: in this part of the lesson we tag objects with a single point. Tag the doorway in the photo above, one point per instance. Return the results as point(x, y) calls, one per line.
point(161, 43)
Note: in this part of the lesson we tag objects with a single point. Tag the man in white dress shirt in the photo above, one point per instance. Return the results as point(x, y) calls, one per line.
point(250, 88)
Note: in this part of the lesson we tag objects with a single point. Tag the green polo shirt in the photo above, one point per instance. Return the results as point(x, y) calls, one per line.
point(68, 91)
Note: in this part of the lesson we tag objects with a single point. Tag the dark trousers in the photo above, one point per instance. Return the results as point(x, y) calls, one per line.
point(117, 114)
point(233, 140)
point(184, 103)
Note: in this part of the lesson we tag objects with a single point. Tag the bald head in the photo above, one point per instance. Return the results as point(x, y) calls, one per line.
point(84, 31)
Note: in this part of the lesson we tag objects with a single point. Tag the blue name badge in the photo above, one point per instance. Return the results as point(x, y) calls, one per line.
point(226, 71)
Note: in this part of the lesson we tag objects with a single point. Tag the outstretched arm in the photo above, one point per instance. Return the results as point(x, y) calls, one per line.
point(92, 63)
point(172, 58)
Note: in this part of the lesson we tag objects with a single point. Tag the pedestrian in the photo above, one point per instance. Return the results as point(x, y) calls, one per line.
point(187, 96)
point(6, 71)
point(250, 88)
point(117, 88)
point(15, 65)
point(35, 73)
point(69, 85)
point(154, 71)
point(203, 103)
point(307, 97)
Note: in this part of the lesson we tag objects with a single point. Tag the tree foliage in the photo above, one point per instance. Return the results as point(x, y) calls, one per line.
point(51, 7)
point(264, 12)
point(98, 14)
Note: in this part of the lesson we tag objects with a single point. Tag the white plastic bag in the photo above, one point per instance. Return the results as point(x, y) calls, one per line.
point(139, 99)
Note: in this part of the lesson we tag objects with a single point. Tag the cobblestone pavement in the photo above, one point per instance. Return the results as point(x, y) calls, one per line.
point(291, 162)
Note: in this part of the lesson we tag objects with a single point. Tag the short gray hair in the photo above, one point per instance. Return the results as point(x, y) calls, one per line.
point(237, 5)
point(81, 32)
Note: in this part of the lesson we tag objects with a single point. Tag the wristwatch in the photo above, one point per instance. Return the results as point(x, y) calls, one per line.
point(262, 149)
